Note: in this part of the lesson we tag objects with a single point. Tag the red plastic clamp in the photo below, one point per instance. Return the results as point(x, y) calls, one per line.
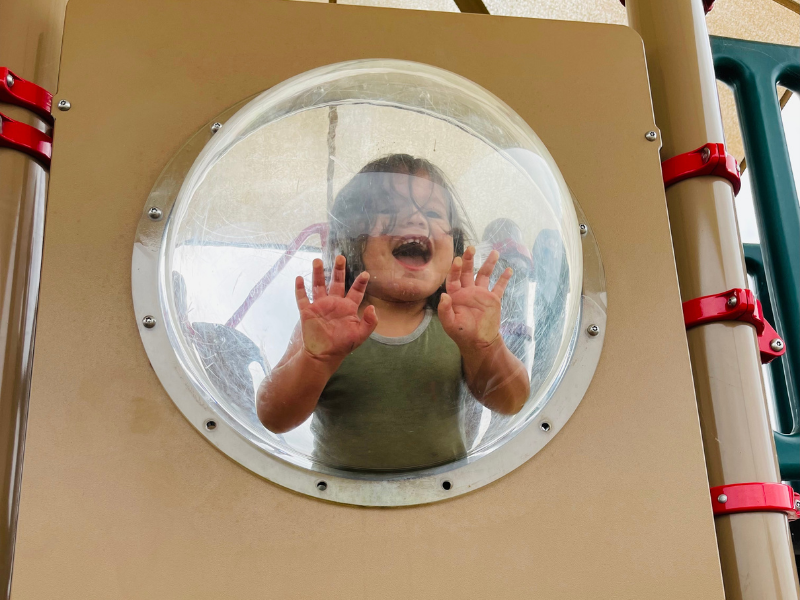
point(22, 137)
point(711, 159)
point(20, 92)
point(736, 305)
point(707, 5)
point(755, 497)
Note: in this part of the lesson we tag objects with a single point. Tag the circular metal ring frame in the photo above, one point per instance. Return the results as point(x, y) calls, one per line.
point(365, 489)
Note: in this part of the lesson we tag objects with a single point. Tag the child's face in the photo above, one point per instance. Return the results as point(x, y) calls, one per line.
point(409, 262)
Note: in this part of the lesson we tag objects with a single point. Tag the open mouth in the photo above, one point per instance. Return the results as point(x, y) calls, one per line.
point(413, 251)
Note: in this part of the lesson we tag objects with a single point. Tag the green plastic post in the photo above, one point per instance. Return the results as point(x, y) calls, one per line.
point(753, 70)
point(783, 407)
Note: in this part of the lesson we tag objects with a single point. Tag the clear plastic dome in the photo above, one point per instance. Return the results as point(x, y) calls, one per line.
point(405, 170)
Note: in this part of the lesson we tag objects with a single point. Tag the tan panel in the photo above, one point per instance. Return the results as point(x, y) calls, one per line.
point(772, 21)
point(122, 499)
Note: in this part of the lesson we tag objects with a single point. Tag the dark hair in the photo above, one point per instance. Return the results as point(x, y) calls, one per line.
point(356, 207)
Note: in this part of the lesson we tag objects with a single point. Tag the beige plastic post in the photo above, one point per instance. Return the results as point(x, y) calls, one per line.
point(755, 548)
point(30, 45)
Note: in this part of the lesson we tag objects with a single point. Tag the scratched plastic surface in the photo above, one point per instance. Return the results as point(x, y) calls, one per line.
point(399, 167)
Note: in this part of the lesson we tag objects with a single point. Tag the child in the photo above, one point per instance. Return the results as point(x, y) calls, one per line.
point(380, 356)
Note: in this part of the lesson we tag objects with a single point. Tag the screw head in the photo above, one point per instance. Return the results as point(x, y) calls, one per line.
point(216, 127)
point(722, 498)
point(149, 321)
point(322, 486)
point(776, 345)
point(10, 80)
point(211, 424)
point(651, 136)
point(732, 301)
point(705, 154)
point(155, 213)
point(584, 228)
point(544, 426)
point(64, 105)
point(797, 504)
point(593, 330)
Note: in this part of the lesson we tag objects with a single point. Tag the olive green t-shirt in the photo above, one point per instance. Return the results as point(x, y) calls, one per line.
point(394, 403)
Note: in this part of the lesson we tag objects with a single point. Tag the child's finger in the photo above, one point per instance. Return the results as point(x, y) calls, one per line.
point(368, 322)
point(453, 282)
point(337, 277)
point(300, 293)
point(317, 280)
point(356, 293)
point(446, 314)
point(501, 284)
point(468, 270)
point(485, 272)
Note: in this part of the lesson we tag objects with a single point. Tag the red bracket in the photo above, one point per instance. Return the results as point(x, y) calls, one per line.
point(755, 497)
point(711, 159)
point(707, 5)
point(736, 305)
point(22, 137)
point(19, 92)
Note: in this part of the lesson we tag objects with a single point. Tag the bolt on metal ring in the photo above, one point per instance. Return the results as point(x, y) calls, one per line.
point(705, 154)
point(216, 127)
point(10, 80)
point(64, 105)
point(593, 330)
point(776, 345)
point(722, 498)
point(155, 213)
point(732, 301)
point(544, 426)
point(584, 228)
point(149, 321)
point(651, 136)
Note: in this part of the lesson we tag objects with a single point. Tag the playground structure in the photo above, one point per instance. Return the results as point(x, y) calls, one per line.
point(121, 498)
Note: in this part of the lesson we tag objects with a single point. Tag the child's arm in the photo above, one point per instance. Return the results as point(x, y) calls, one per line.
point(470, 314)
point(328, 331)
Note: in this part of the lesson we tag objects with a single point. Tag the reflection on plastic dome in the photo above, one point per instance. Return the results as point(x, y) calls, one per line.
point(374, 266)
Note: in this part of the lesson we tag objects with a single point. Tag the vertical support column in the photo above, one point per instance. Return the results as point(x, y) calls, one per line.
point(755, 550)
point(30, 45)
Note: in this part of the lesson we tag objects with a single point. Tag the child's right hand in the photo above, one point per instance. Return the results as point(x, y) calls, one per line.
point(330, 325)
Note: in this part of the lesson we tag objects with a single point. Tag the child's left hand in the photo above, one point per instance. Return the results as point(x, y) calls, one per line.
point(469, 311)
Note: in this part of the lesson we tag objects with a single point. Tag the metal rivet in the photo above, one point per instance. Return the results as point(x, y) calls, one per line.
point(211, 424)
point(722, 498)
point(593, 330)
point(544, 426)
point(10, 80)
point(149, 321)
point(584, 229)
point(651, 136)
point(797, 504)
point(705, 154)
point(322, 486)
point(214, 129)
point(155, 213)
point(776, 345)
point(64, 105)
point(732, 301)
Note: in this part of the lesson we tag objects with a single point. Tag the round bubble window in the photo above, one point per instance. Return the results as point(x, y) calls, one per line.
point(368, 280)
